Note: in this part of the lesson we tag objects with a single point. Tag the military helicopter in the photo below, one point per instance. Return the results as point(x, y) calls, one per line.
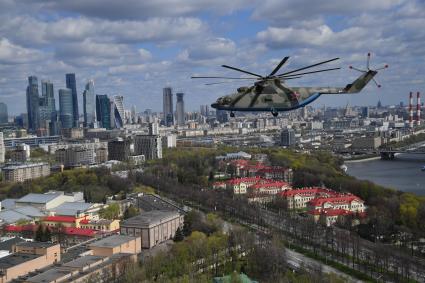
point(270, 93)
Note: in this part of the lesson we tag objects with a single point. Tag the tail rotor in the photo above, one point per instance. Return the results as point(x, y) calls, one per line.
point(368, 69)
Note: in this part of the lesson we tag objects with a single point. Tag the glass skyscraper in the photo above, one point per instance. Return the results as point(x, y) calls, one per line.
point(71, 83)
point(118, 110)
point(47, 105)
point(103, 111)
point(3, 113)
point(167, 96)
point(180, 109)
point(66, 108)
point(89, 106)
point(33, 103)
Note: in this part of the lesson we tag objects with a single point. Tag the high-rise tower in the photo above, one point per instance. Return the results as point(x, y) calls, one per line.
point(47, 105)
point(103, 111)
point(71, 83)
point(180, 108)
point(168, 106)
point(33, 103)
point(89, 106)
point(66, 108)
point(3, 113)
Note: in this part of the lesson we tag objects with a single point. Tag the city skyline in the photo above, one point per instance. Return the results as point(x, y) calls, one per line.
point(164, 47)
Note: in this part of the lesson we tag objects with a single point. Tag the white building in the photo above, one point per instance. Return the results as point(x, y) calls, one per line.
point(2, 150)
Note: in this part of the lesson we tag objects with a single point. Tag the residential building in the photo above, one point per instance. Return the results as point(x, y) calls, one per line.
point(180, 109)
point(153, 227)
point(89, 106)
point(298, 198)
point(148, 145)
point(33, 103)
point(169, 141)
point(167, 109)
point(101, 155)
point(119, 149)
point(241, 185)
point(66, 115)
point(4, 116)
point(71, 84)
point(31, 141)
point(28, 171)
point(75, 156)
point(2, 148)
point(366, 143)
point(103, 225)
point(28, 257)
point(21, 153)
point(328, 216)
point(153, 128)
point(340, 201)
point(103, 111)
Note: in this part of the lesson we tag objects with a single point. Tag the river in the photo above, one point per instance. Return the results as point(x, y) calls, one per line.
point(403, 173)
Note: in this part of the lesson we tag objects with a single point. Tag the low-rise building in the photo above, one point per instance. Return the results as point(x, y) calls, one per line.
point(27, 171)
point(347, 202)
point(48, 200)
point(298, 198)
point(153, 227)
point(116, 244)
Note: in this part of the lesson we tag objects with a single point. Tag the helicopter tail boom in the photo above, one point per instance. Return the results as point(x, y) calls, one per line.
point(360, 82)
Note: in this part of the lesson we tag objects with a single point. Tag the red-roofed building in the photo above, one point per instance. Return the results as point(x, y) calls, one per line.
point(343, 201)
point(329, 216)
point(219, 185)
point(240, 185)
point(62, 221)
point(276, 172)
point(265, 192)
point(298, 198)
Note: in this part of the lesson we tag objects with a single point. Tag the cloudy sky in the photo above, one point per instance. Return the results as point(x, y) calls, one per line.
point(136, 47)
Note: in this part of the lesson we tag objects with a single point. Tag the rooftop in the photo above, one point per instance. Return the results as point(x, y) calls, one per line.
point(51, 275)
point(83, 261)
point(68, 219)
point(36, 244)
point(39, 198)
point(7, 245)
point(149, 218)
point(72, 208)
point(15, 259)
point(112, 241)
point(26, 165)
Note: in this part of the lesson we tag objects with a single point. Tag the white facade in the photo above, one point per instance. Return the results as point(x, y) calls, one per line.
point(2, 150)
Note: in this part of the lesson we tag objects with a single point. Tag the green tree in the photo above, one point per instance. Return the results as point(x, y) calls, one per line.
point(178, 237)
point(130, 212)
point(112, 211)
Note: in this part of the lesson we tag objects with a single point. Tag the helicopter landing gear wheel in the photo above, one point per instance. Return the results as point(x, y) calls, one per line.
point(274, 113)
point(232, 115)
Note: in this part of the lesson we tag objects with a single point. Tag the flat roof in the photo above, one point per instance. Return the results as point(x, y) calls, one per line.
point(15, 259)
point(51, 275)
point(36, 244)
point(112, 241)
point(149, 218)
point(83, 261)
point(39, 198)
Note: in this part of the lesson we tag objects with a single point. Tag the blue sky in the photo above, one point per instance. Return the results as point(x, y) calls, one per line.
point(135, 48)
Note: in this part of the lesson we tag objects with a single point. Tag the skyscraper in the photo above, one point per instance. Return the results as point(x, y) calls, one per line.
point(89, 106)
point(180, 108)
point(205, 111)
point(32, 103)
point(3, 113)
point(103, 111)
point(167, 96)
point(118, 111)
point(71, 83)
point(47, 105)
point(133, 115)
point(66, 108)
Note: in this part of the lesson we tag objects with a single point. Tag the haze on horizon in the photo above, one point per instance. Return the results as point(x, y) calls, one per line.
point(138, 47)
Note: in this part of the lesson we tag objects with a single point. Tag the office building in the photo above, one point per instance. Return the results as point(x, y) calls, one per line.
point(47, 105)
point(2, 148)
point(20, 173)
point(154, 227)
point(180, 109)
point(222, 116)
point(71, 83)
point(205, 110)
point(89, 106)
point(148, 145)
point(33, 103)
point(66, 108)
point(3, 113)
point(287, 137)
point(21, 153)
point(133, 115)
point(119, 149)
point(167, 96)
point(103, 111)
point(118, 111)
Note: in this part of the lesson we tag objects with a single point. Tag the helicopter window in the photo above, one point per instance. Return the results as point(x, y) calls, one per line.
point(268, 99)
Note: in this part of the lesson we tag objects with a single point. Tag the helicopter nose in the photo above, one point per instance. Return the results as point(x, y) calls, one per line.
point(214, 105)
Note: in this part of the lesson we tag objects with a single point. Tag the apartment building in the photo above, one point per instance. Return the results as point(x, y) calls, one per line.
point(23, 172)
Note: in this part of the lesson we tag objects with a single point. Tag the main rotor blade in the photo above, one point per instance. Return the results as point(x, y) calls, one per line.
point(215, 77)
point(312, 72)
point(279, 66)
point(217, 83)
point(310, 66)
point(290, 78)
point(240, 70)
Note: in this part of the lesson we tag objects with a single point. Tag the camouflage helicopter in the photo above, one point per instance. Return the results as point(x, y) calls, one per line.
point(270, 93)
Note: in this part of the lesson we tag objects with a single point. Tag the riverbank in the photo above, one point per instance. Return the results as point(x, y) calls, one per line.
point(362, 159)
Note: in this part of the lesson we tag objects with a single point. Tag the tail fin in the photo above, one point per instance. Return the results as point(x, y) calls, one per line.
point(360, 82)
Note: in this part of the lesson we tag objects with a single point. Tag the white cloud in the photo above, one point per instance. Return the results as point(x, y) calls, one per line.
point(15, 54)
